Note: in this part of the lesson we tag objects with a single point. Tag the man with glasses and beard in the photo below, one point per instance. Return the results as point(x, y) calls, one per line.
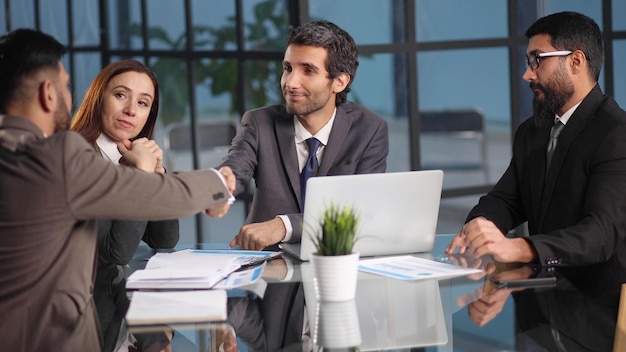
point(567, 175)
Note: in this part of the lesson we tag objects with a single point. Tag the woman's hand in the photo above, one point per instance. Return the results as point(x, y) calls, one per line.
point(141, 153)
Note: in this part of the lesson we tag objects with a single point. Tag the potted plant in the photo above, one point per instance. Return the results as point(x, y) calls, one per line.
point(335, 264)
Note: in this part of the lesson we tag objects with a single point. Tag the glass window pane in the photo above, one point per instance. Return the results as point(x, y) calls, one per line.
point(54, 20)
point(3, 23)
point(86, 67)
point(619, 56)
point(174, 112)
point(174, 132)
point(166, 20)
point(86, 19)
point(617, 15)
point(214, 26)
point(216, 92)
point(172, 76)
point(22, 14)
point(438, 20)
point(266, 24)
point(373, 25)
point(263, 83)
point(445, 82)
point(379, 81)
point(125, 25)
point(453, 79)
point(592, 9)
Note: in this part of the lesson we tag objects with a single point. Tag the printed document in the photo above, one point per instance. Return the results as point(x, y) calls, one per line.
point(408, 267)
point(193, 269)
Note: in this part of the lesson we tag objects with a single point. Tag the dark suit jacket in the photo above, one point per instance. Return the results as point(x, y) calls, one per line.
point(576, 209)
point(264, 149)
point(51, 190)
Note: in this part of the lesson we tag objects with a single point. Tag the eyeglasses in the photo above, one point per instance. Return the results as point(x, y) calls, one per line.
point(533, 62)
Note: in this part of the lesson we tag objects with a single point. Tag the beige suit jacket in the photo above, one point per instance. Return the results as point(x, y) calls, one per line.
point(52, 190)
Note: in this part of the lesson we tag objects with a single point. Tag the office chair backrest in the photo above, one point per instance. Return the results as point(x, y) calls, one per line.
point(462, 120)
point(214, 139)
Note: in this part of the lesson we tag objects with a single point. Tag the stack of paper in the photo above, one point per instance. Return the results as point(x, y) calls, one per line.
point(192, 269)
point(170, 307)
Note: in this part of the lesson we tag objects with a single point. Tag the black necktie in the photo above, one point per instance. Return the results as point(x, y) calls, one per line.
point(310, 168)
point(554, 134)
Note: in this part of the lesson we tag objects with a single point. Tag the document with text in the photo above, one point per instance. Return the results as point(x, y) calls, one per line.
point(194, 269)
point(408, 267)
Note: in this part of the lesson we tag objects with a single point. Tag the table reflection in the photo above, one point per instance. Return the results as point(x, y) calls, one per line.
point(336, 325)
point(281, 312)
point(561, 317)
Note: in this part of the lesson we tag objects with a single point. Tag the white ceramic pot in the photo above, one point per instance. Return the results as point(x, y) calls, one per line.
point(335, 277)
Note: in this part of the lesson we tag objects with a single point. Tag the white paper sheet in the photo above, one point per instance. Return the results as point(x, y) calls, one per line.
point(408, 267)
point(191, 268)
point(169, 307)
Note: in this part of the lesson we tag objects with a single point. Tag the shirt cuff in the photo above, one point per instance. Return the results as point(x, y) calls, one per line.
point(288, 227)
point(231, 197)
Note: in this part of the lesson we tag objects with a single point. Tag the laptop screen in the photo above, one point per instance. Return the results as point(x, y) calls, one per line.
point(398, 210)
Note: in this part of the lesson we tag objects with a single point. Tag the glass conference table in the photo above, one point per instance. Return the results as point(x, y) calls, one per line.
point(280, 313)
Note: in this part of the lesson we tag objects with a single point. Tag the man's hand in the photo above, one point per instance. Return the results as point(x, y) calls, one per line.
point(260, 235)
point(231, 183)
point(226, 340)
point(486, 264)
point(482, 237)
point(275, 269)
point(487, 302)
point(229, 176)
point(218, 212)
point(488, 306)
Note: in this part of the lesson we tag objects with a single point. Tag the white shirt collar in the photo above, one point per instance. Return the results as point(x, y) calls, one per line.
point(322, 135)
point(565, 117)
point(108, 148)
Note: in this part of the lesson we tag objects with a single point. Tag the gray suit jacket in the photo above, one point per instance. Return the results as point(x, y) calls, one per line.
point(264, 149)
point(51, 191)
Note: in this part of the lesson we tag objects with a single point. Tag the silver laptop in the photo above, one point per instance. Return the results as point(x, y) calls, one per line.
point(398, 211)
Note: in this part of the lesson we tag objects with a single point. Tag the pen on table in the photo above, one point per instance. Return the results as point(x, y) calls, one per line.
point(261, 260)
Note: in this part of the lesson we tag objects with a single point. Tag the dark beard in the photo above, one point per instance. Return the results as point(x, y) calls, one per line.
point(544, 110)
point(61, 116)
point(555, 95)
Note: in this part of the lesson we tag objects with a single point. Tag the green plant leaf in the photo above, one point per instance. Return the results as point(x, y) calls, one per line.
point(337, 231)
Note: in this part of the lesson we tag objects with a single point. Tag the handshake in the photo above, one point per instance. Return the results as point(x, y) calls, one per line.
point(228, 177)
point(145, 154)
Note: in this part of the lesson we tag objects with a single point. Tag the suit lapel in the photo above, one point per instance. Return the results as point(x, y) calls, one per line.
point(285, 135)
point(583, 115)
point(337, 137)
point(539, 144)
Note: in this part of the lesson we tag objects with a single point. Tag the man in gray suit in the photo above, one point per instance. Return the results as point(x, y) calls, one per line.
point(273, 143)
point(53, 186)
